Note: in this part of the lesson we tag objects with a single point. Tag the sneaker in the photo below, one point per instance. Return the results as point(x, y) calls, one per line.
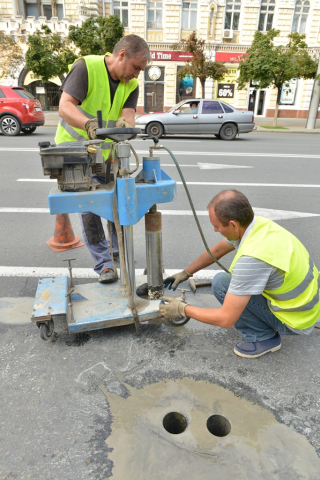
point(107, 276)
point(256, 349)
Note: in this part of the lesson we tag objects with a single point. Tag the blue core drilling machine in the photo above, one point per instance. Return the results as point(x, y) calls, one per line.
point(60, 306)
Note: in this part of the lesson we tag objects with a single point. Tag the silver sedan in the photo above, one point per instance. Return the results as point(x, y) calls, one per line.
point(198, 116)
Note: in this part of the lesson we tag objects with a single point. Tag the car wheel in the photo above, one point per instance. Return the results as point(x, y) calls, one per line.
point(10, 126)
point(155, 129)
point(217, 135)
point(228, 131)
point(28, 130)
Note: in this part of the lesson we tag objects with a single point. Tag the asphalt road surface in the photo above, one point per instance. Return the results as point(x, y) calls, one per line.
point(56, 419)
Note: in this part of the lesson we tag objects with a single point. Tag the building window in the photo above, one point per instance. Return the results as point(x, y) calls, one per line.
point(32, 10)
point(154, 15)
point(211, 18)
point(122, 10)
point(300, 16)
point(45, 8)
point(189, 15)
point(266, 15)
point(231, 21)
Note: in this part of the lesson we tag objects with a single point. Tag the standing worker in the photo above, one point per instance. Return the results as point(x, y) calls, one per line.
point(108, 83)
point(273, 286)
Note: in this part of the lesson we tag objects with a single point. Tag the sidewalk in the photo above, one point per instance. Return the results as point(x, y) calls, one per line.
point(291, 125)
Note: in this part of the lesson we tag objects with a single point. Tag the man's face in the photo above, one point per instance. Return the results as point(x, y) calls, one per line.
point(231, 231)
point(129, 68)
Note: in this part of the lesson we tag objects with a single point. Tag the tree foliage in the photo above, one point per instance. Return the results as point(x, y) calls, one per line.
point(272, 66)
point(48, 54)
point(97, 36)
point(199, 66)
point(11, 55)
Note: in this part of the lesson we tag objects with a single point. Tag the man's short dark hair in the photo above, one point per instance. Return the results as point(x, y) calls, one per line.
point(133, 45)
point(232, 205)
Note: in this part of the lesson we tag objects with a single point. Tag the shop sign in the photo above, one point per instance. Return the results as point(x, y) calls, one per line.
point(230, 57)
point(170, 56)
point(288, 92)
point(225, 90)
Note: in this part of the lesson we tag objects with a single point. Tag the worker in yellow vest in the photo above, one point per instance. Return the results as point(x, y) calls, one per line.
point(107, 83)
point(272, 288)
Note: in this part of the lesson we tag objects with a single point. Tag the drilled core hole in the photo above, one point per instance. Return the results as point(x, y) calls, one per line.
point(219, 425)
point(175, 423)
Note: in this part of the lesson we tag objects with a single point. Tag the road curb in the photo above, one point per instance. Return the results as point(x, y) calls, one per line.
point(291, 131)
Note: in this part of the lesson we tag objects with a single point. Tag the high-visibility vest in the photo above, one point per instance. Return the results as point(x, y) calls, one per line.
point(98, 98)
point(296, 303)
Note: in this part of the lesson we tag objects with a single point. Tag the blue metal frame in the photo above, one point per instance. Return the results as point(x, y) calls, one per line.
point(96, 306)
point(134, 198)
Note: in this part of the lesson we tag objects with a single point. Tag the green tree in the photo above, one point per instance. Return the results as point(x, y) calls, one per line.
point(11, 56)
point(48, 53)
point(199, 66)
point(97, 36)
point(273, 66)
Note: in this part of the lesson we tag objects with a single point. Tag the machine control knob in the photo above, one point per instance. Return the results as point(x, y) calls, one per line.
point(44, 144)
point(92, 149)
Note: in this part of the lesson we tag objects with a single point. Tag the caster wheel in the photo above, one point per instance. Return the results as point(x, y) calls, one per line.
point(46, 331)
point(177, 322)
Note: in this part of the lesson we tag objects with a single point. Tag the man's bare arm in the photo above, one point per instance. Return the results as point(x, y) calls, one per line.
point(218, 251)
point(226, 316)
point(130, 115)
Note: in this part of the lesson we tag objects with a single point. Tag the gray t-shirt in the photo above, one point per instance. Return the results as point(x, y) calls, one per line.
point(76, 85)
point(251, 276)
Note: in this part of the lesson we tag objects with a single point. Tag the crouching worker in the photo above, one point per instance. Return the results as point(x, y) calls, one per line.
point(107, 83)
point(272, 289)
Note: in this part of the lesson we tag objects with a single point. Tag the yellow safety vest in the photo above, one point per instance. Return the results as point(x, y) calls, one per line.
point(296, 303)
point(98, 98)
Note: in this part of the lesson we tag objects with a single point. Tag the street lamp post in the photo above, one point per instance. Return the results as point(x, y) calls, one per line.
point(314, 102)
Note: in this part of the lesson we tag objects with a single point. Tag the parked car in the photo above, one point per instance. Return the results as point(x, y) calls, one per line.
point(198, 116)
point(19, 111)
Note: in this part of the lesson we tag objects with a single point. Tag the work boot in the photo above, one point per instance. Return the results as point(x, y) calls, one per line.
point(107, 276)
point(256, 349)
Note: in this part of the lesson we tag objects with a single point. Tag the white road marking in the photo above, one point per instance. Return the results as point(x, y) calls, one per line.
point(19, 150)
point(235, 154)
point(217, 166)
point(217, 154)
point(36, 180)
point(82, 272)
point(24, 210)
point(263, 212)
point(290, 185)
point(272, 214)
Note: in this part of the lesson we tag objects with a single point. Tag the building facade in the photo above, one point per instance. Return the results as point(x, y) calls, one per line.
point(227, 26)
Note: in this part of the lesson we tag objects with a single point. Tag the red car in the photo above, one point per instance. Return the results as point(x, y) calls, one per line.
point(19, 111)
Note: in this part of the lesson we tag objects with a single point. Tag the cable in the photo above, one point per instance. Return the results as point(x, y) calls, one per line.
point(193, 209)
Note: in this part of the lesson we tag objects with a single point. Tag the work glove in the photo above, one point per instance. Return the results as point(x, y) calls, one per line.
point(173, 309)
point(122, 123)
point(175, 279)
point(90, 127)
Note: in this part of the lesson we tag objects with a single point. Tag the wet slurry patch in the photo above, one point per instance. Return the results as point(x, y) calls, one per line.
point(238, 437)
point(78, 339)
